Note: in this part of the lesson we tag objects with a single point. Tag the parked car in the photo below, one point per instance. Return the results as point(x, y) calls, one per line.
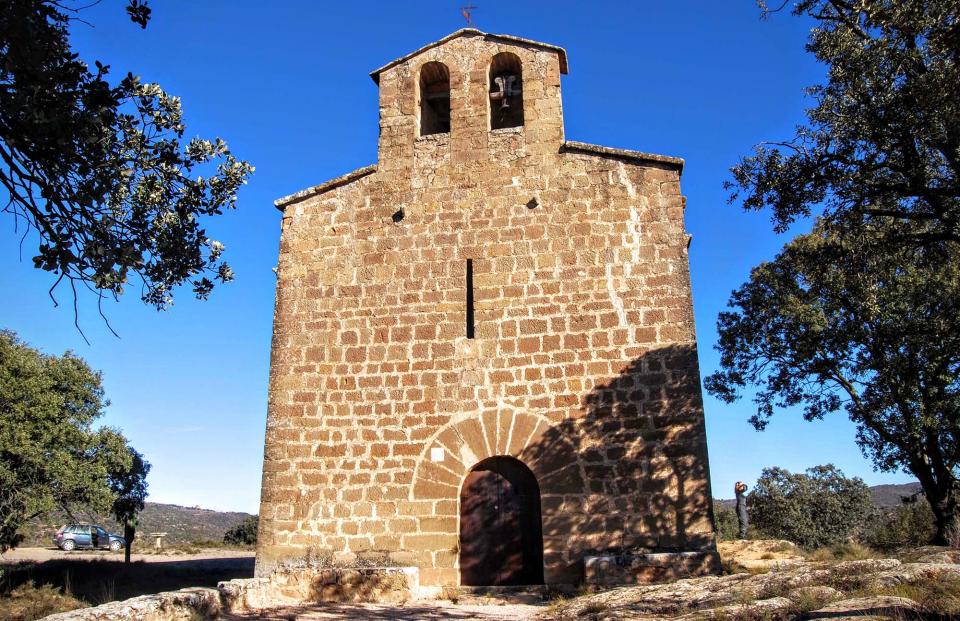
point(73, 536)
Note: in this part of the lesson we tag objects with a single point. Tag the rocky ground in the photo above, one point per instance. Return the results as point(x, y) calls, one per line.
point(763, 581)
point(766, 580)
point(780, 584)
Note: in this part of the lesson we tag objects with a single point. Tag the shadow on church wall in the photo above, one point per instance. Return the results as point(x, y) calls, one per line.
point(630, 473)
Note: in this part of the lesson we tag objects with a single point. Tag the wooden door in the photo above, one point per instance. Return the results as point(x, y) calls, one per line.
point(501, 540)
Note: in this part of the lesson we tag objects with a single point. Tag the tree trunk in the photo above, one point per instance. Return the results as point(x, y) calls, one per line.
point(945, 503)
point(129, 532)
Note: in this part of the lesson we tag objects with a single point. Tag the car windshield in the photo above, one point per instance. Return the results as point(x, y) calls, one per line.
point(101, 532)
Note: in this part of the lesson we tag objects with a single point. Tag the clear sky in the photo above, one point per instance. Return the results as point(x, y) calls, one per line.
point(286, 85)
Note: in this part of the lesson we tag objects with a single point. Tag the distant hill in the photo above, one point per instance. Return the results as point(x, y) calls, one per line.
point(883, 495)
point(892, 495)
point(183, 524)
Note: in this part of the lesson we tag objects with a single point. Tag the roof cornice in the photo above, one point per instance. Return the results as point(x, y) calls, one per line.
point(336, 182)
point(626, 154)
point(562, 53)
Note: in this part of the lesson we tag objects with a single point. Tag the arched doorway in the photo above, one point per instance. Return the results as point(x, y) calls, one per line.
point(501, 537)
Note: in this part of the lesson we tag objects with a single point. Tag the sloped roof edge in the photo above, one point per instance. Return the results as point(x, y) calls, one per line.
point(569, 145)
point(280, 203)
point(562, 53)
point(639, 156)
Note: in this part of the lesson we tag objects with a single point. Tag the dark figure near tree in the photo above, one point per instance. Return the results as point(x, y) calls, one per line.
point(740, 489)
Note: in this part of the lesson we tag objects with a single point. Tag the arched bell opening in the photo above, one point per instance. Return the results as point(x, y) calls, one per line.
point(434, 99)
point(506, 91)
point(501, 532)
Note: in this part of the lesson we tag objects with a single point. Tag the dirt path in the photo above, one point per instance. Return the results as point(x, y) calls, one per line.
point(40, 555)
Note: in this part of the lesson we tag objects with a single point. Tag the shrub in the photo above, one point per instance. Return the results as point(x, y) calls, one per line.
point(819, 508)
point(728, 527)
point(244, 533)
point(908, 525)
point(28, 602)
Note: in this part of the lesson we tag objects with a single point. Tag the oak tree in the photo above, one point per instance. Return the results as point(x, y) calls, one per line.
point(830, 325)
point(814, 509)
point(99, 171)
point(51, 455)
point(882, 142)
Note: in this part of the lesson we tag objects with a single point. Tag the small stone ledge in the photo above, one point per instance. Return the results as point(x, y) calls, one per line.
point(572, 146)
point(649, 568)
point(169, 606)
point(294, 586)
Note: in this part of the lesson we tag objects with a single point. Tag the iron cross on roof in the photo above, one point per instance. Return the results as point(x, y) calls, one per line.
point(467, 12)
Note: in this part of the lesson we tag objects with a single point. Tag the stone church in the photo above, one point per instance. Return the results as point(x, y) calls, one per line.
point(484, 362)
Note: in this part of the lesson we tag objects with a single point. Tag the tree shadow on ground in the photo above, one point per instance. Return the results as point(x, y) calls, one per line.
point(99, 581)
point(440, 611)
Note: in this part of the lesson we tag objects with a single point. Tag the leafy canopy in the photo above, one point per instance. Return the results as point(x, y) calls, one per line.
point(830, 324)
point(819, 508)
point(51, 457)
point(861, 314)
point(244, 533)
point(129, 487)
point(101, 172)
point(882, 143)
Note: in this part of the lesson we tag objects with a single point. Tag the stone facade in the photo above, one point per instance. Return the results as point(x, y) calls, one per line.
point(583, 364)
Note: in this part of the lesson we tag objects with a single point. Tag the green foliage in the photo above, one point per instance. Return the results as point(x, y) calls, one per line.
point(99, 171)
point(244, 533)
point(907, 526)
point(882, 143)
point(872, 296)
point(831, 324)
point(129, 486)
point(728, 526)
point(819, 508)
point(50, 454)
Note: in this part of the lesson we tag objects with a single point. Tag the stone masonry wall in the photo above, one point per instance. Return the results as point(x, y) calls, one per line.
point(584, 363)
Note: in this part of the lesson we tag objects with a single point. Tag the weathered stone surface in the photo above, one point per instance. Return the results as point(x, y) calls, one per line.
point(820, 593)
point(583, 363)
point(759, 609)
point(860, 606)
point(649, 568)
point(912, 572)
point(294, 586)
point(183, 605)
point(937, 554)
point(760, 553)
point(790, 589)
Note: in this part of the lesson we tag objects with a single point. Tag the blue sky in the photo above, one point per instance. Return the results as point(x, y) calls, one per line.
point(286, 85)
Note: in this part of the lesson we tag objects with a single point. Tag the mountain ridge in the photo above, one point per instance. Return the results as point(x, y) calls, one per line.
point(182, 524)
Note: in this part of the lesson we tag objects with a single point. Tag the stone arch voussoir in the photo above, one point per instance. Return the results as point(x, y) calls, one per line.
point(459, 445)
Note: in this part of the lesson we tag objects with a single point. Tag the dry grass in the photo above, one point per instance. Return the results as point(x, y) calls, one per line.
point(844, 552)
point(28, 602)
point(194, 547)
point(938, 598)
point(593, 608)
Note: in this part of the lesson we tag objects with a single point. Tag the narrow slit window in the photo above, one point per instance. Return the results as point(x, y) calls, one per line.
point(469, 298)
point(434, 99)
